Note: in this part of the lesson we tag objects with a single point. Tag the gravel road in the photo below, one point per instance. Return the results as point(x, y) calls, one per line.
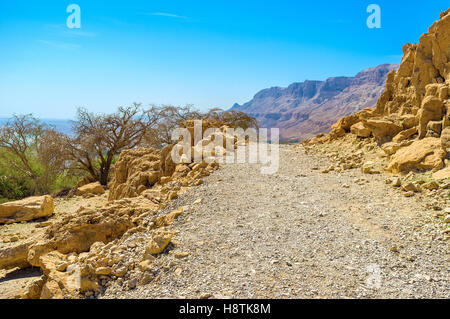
point(299, 234)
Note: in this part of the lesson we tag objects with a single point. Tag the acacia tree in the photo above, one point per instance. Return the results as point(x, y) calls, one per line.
point(232, 118)
point(31, 149)
point(98, 138)
point(169, 118)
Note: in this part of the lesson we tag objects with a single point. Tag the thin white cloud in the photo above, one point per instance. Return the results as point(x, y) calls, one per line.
point(63, 30)
point(61, 45)
point(170, 15)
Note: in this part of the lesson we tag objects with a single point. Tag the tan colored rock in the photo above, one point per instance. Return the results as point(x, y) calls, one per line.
point(431, 110)
point(135, 168)
point(430, 185)
point(160, 239)
point(383, 129)
point(408, 194)
point(360, 130)
point(92, 188)
point(404, 135)
point(409, 187)
point(105, 271)
point(409, 121)
point(442, 174)
point(434, 128)
point(392, 147)
point(15, 255)
point(33, 289)
point(26, 209)
point(367, 167)
point(445, 139)
point(146, 265)
point(423, 154)
point(397, 182)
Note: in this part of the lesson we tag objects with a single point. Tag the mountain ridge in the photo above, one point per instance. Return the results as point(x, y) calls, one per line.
point(304, 109)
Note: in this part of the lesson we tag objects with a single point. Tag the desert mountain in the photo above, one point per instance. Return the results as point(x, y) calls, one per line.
point(305, 109)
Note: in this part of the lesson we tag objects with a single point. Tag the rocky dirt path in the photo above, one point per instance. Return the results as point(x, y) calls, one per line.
point(299, 234)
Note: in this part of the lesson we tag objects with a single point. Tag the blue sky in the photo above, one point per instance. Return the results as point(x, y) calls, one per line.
point(206, 53)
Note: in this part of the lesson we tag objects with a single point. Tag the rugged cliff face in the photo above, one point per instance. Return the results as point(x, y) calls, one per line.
point(411, 121)
point(305, 109)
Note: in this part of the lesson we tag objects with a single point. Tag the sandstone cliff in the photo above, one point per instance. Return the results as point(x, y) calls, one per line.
point(411, 121)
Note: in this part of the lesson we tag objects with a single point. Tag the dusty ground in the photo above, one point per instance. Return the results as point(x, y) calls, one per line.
point(300, 234)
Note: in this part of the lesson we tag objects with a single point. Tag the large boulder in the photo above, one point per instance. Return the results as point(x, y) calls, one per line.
point(26, 209)
point(423, 154)
point(91, 189)
point(360, 130)
point(383, 129)
point(14, 255)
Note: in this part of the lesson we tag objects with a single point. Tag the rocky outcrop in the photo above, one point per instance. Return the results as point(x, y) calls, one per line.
point(415, 106)
point(138, 171)
point(135, 171)
point(305, 109)
point(26, 209)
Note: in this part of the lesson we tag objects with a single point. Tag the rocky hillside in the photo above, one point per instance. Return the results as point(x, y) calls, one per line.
point(411, 122)
point(305, 109)
point(79, 244)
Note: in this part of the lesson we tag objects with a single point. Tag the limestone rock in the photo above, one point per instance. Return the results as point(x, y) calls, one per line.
point(397, 182)
point(26, 209)
point(445, 139)
point(409, 187)
point(15, 255)
point(383, 129)
point(135, 168)
point(367, 167)
point(92, 188)
point(360, 130)
point(392, 147)
point(431, 185)
point(442, 174)
point(404, 135)
point(160, 239)
point(423, 154)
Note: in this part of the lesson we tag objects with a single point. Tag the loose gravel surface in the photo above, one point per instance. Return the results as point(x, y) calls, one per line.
point(299, 234)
